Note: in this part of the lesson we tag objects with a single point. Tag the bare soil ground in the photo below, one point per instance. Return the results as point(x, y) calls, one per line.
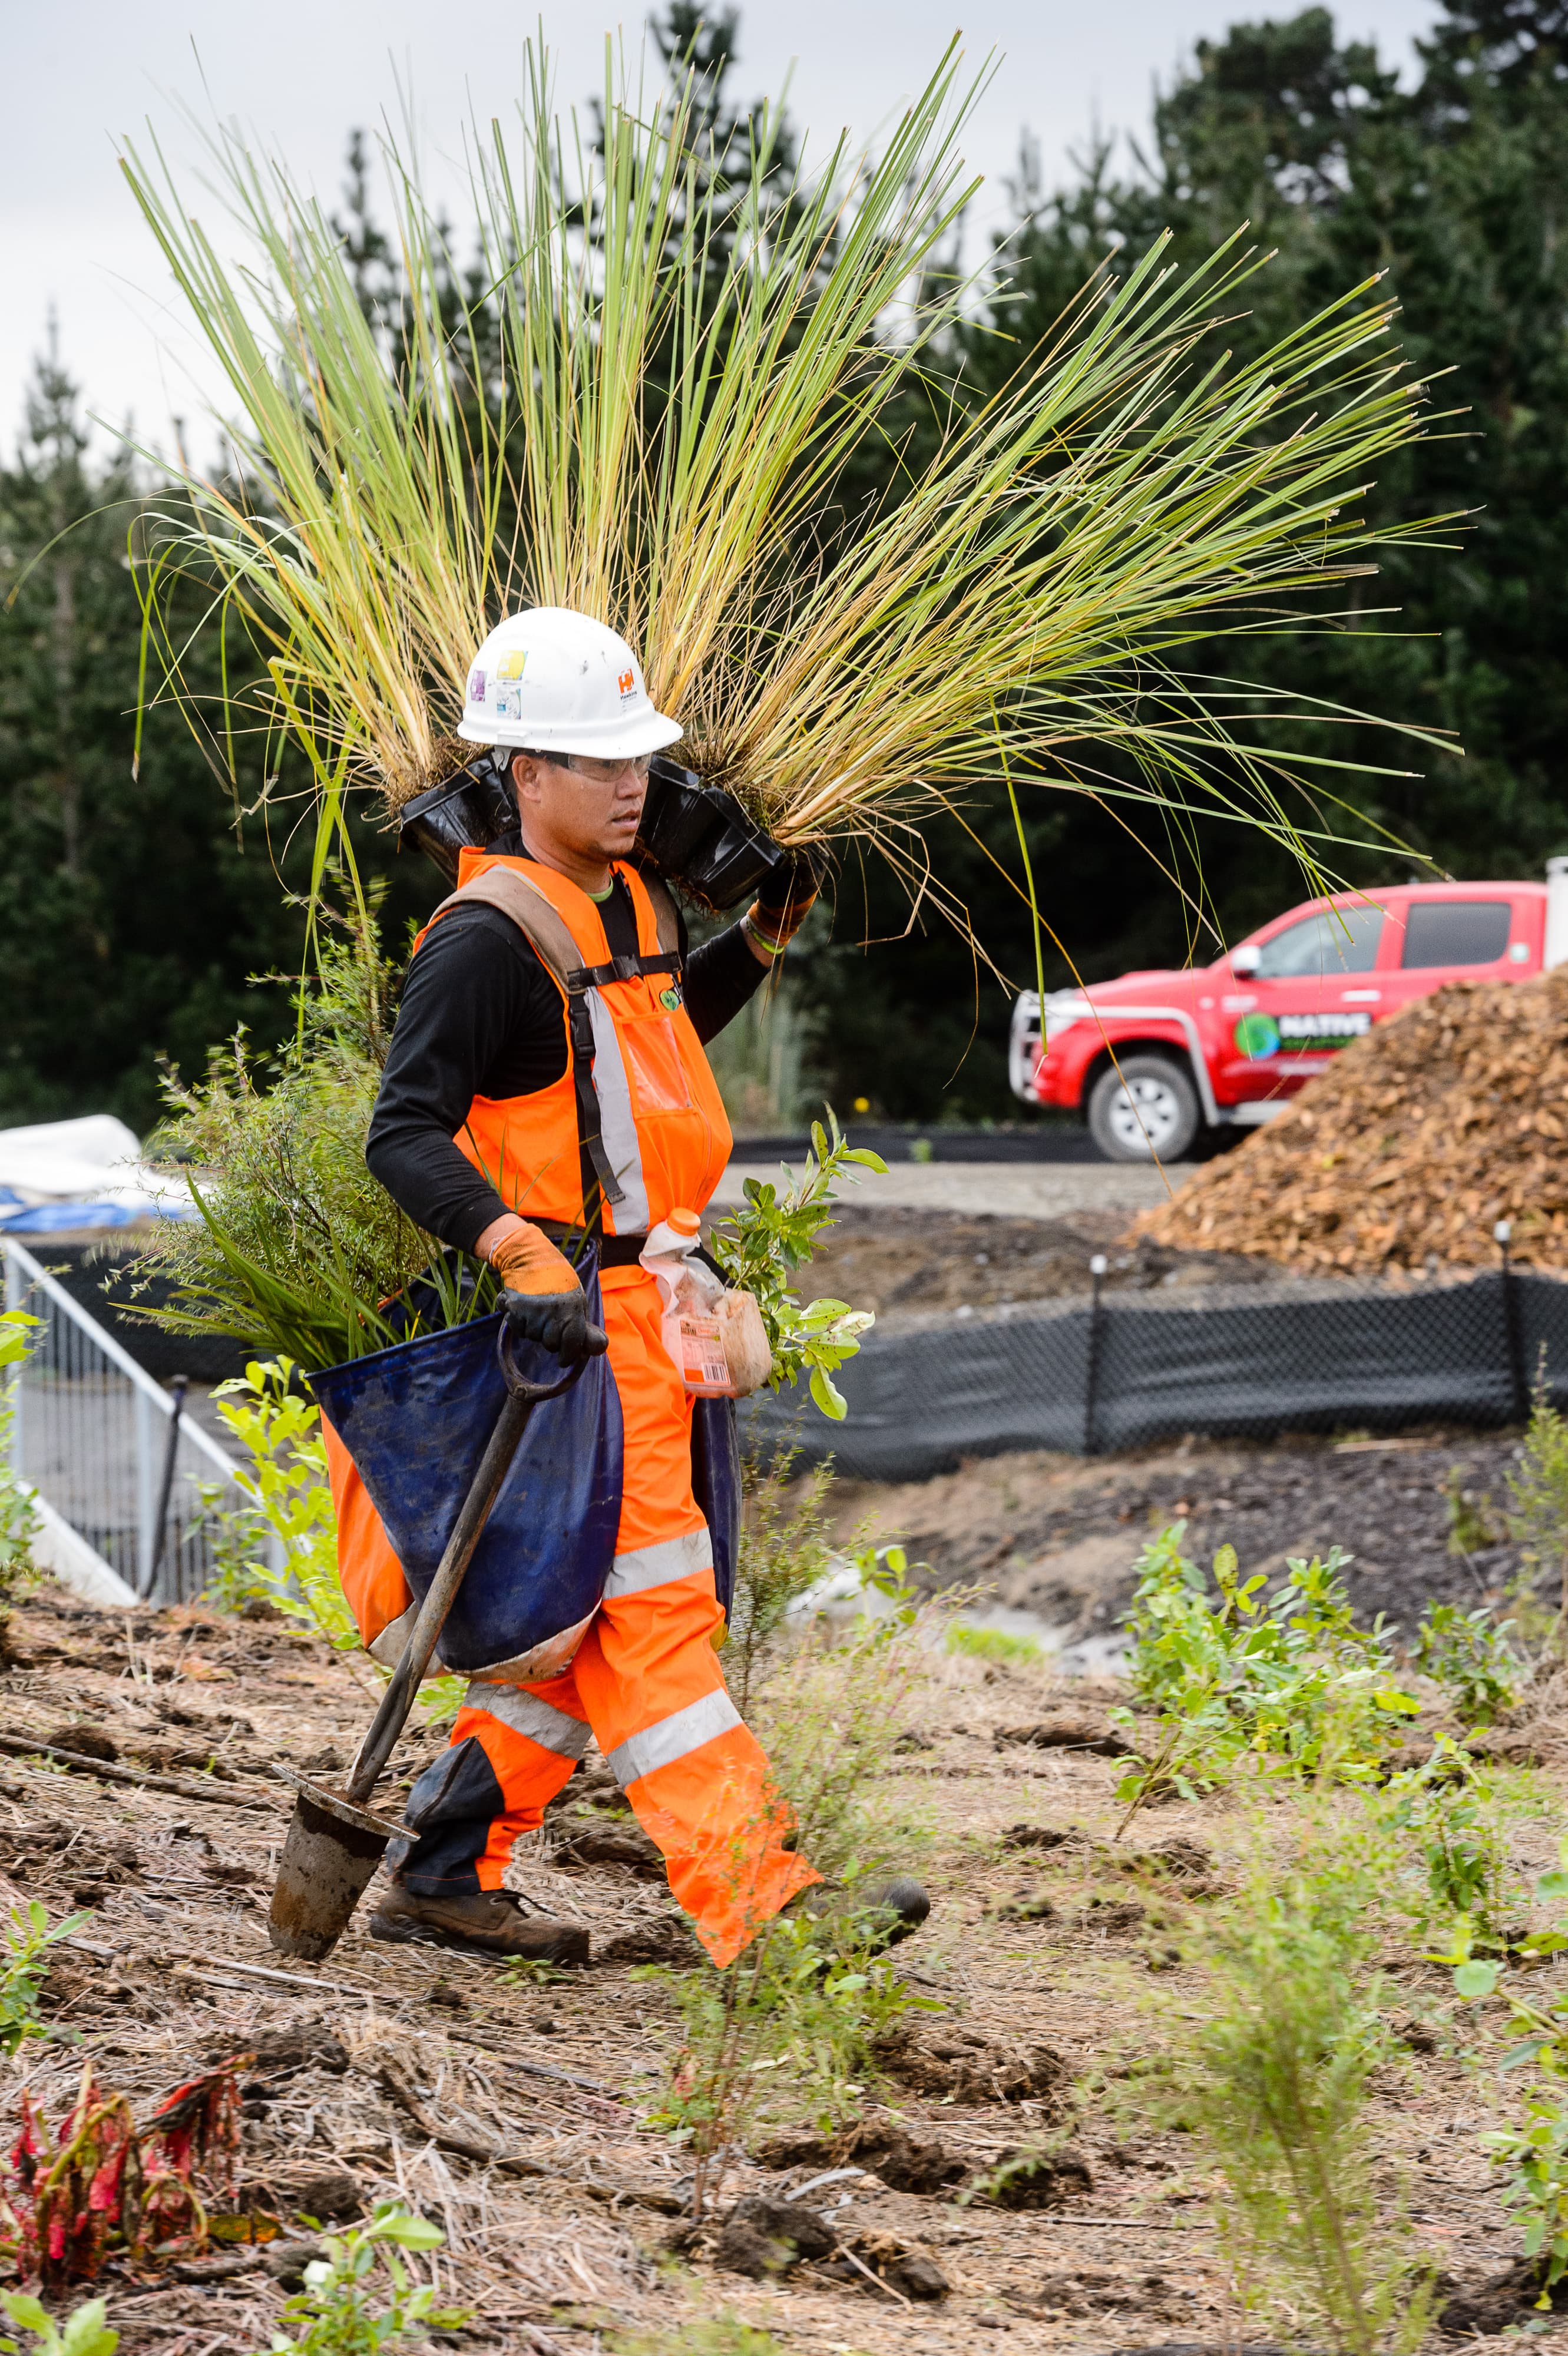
point(1041, 1959)
point(907, 1264)
point(1057, 1535)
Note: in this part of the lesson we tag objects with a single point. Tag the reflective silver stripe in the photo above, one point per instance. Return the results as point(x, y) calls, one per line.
point(617, 1123)
point(526, 1714)
point(656, 1566)
point(673, 1737)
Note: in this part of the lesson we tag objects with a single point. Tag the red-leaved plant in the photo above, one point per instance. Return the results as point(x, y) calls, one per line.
point(99, 2185)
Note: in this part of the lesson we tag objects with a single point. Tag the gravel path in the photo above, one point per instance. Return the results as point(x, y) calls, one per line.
point(1022, 1191)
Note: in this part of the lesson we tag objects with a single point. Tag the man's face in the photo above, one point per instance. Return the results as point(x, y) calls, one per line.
point(594, 816)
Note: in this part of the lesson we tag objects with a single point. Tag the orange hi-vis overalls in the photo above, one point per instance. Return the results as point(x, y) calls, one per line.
point(638, 1114)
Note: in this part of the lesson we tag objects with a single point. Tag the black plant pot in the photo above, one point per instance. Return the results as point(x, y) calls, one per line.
point(700, 837)
point(463, 813)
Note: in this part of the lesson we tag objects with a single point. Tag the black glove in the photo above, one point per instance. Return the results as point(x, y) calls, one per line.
point(544, 1300)
point(557, 1322)
point(787, 895)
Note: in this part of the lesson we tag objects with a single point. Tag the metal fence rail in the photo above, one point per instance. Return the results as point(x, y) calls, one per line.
point(92, 1433)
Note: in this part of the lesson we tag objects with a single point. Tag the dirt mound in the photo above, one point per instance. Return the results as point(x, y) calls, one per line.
point(1418, 1138)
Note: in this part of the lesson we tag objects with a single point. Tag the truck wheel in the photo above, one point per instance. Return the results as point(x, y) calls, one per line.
point(1146, 1110)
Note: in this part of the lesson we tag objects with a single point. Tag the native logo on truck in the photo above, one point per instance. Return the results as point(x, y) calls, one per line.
point(1258, 1036)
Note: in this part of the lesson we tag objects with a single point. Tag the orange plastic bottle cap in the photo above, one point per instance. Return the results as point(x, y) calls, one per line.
point(685, 1222)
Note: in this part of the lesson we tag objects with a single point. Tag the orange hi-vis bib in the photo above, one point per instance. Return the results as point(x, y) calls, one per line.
point(636, 1118)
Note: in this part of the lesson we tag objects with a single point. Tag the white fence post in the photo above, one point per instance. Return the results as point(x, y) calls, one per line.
point(147, 1494)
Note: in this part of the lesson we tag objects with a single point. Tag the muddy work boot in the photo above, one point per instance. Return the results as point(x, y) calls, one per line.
point(490, 1921)
point(877, 1915)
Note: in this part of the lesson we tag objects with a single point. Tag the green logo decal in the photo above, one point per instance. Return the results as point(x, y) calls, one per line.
point(669, 998)
point(1258, 1035)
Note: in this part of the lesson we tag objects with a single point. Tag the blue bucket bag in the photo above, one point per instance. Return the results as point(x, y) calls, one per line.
point(416, 1419)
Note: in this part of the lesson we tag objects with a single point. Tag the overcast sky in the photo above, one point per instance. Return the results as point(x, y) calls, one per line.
point(301, 73)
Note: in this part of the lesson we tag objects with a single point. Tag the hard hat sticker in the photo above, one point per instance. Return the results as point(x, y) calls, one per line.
point(628, 685)
point(508, 667)
point(508, 702)
point(476, 688)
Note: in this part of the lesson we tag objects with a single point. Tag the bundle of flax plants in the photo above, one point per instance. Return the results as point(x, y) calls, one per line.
point(642, 393)
point(640, 402)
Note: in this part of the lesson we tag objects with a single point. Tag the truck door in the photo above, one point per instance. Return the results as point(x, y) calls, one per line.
point(1469, 939)
point(1315, 989)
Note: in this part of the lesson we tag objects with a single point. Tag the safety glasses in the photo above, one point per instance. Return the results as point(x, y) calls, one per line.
point(603, 773)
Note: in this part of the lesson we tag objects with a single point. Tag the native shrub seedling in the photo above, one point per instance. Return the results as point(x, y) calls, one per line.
point(1470, 1657)
point(360, 2297)
point(1448, 1804)
point(760, 1246)
point(1539, 1495)
point(19, 1521)
point(1279, 2080)
point(785, 1549)
point(83, 2333)
point(24, 1966)
point(1471, 1527)
point(1536, 2191)
point(1287, 1681)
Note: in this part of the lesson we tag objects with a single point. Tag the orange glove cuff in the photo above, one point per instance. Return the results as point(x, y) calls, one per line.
point(526, 1261)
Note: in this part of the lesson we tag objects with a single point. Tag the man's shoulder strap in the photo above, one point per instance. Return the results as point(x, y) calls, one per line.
point(547, 929)
point(666, 916)
point(530, 912)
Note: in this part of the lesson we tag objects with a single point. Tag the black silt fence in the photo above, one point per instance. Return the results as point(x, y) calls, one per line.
point(1126, 1369)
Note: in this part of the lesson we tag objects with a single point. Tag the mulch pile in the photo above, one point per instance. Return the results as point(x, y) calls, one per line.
point(1448, 1117)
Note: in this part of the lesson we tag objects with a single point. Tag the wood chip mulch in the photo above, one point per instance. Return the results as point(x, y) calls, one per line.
point(1446, 1118)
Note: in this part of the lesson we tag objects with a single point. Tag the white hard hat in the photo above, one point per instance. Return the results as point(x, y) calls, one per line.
point(553, 682)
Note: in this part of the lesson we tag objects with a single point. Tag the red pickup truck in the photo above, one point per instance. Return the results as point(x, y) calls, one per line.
point(1153, 1059)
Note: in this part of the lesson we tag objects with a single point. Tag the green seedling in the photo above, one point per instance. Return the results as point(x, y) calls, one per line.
point(24, 1967)
point(1278, 2068)
point(1470, 1657)
point(1472, 1523)
point(761, 1245)
point(1535, 2154)
point(19, 1519)
point(1449, 1806)
point(788, 2030)
point(1287, 1682)
point(82, 2334)
point(786, 1547)
point(530, 1971)
point(1538, 1494)
point(1535, 2192)
point(284, 1480)
point(360, 2298)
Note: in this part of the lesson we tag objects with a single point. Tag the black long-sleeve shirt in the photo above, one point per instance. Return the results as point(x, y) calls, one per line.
point(480, 1016)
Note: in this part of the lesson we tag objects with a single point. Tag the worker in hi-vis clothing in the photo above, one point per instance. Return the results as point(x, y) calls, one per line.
point(479, 1131)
